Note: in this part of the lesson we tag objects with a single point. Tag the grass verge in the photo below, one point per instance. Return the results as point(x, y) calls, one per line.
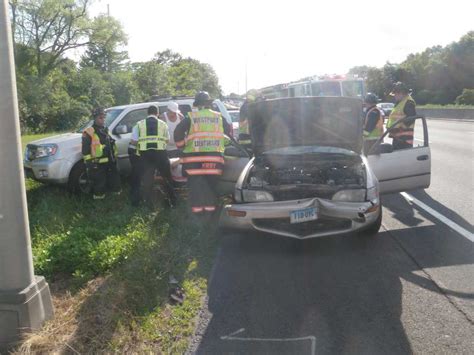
point(108, 265)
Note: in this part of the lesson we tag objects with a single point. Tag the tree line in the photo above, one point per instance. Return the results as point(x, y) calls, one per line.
point(438, 75)
point(57, 93)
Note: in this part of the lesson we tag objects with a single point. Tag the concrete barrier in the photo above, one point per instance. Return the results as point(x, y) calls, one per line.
point(455, 113)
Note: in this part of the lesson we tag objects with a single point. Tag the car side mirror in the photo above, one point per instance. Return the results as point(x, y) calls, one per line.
point(122, 129)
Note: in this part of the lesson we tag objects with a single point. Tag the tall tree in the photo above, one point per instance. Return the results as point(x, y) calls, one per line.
point(50, 27)
point(103, 53)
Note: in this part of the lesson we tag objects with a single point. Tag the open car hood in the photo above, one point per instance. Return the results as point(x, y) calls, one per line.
point(306, 121)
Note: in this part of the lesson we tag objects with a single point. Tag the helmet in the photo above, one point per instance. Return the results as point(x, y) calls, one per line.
point(98, 111)
point(252, 95)
point(399, 87)
point(202, 98)
point(371, 98)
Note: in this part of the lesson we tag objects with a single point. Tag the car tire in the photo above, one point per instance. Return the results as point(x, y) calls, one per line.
point(373, 229)
point(78, 182)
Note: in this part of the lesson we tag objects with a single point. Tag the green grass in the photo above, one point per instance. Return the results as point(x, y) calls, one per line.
point(108, 265)
point(32, 137)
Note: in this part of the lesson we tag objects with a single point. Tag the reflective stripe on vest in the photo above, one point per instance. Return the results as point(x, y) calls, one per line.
point(202, 159)
point(97, 149)
point(160, 139)
point(206, 133)
point(377, 132)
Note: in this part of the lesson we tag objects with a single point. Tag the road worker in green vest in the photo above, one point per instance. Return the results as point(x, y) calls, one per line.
point(100, 157)
point(201, 136)
point(373, 123)
point(151, 136)
point(405, 106)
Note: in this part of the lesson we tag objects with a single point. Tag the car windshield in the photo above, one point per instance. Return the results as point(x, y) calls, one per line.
point(234, 115)
point(309, 149)
point(110, 116)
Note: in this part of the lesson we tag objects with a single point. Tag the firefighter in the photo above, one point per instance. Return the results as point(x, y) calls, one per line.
point(373, 124)
point(151, 137)
point(405, 106)
point(201, 135)
point(99, 152)
point(244, 131)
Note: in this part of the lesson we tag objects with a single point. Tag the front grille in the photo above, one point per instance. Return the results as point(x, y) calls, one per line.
point(321, 225)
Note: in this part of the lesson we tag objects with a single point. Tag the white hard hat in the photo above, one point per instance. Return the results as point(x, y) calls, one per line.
point(173, 107)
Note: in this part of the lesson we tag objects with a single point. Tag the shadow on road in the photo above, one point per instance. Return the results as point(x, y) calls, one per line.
point(344, 291)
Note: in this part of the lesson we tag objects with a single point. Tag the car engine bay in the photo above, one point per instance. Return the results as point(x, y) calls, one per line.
point(296, 177)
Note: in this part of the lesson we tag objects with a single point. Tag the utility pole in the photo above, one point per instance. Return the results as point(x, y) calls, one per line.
point(25, 300)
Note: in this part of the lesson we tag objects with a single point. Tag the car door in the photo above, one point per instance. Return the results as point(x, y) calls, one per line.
point(236, 158)
point(404, 169)
point(129, 119)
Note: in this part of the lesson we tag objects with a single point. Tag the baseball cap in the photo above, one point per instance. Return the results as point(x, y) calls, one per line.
point(173, 107)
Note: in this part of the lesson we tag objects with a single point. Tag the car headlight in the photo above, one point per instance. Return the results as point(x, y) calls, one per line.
point(256, 196)
point(41, 151)
point(350, 195)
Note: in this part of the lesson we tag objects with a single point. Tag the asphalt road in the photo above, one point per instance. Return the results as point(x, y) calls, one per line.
point(408, 290)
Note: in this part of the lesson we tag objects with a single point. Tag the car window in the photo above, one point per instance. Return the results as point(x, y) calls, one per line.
point(111, 115)
point(132, 117)
point(185, 109)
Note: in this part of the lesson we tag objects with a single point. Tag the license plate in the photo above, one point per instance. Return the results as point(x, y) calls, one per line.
point(307, 214)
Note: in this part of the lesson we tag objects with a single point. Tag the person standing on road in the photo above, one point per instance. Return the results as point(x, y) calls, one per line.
point(244, 129)
point(172, 117)
point(405, 106)
point(201, 135)
point(151, 137)
point(99, 153)
point(373, 124)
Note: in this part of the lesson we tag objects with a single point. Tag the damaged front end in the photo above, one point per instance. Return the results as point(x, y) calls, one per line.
point(305, 192)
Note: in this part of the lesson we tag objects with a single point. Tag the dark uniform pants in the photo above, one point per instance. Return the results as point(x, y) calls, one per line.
point(202, 193)
point(104, 177)
point(153, 160)
point(135, 178)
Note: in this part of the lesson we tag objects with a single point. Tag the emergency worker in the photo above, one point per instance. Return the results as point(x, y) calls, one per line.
point(201, 136)
point(100, 157)
point(244, 130)
point(405, 106)
point(373, 123)
point(151, 137)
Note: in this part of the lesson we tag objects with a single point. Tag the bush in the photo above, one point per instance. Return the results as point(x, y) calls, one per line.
point(466, 98)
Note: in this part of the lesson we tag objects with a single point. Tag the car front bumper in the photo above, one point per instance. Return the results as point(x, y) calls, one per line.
point(334, 217)
point(48, 170)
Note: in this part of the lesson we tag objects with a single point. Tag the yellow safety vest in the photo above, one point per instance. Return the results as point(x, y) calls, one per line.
point(157, 141)
point(377, 132)
point(244, 132)
point(206, 133)
point(397, 113)
point(97, 149)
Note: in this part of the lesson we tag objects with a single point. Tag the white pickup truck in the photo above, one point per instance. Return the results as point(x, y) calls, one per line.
point(58, 159)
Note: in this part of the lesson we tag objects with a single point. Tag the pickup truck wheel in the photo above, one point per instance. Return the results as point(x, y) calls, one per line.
point(78, 182)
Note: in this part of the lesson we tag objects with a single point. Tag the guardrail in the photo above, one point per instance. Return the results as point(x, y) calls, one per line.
point(453, 113)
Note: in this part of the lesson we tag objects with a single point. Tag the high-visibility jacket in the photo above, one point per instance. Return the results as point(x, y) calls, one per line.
point(206, 133)
point(403, 131)
point(377, 132)
point(244, 132)
point(156, 139)
point(97, 149)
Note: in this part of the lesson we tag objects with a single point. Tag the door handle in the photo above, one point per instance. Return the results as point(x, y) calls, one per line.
point(422, 157)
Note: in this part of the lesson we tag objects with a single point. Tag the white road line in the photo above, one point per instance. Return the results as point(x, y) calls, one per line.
point(233, 337)
point(465, 233)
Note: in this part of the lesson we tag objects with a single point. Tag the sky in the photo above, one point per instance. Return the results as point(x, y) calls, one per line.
point(257, 43)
